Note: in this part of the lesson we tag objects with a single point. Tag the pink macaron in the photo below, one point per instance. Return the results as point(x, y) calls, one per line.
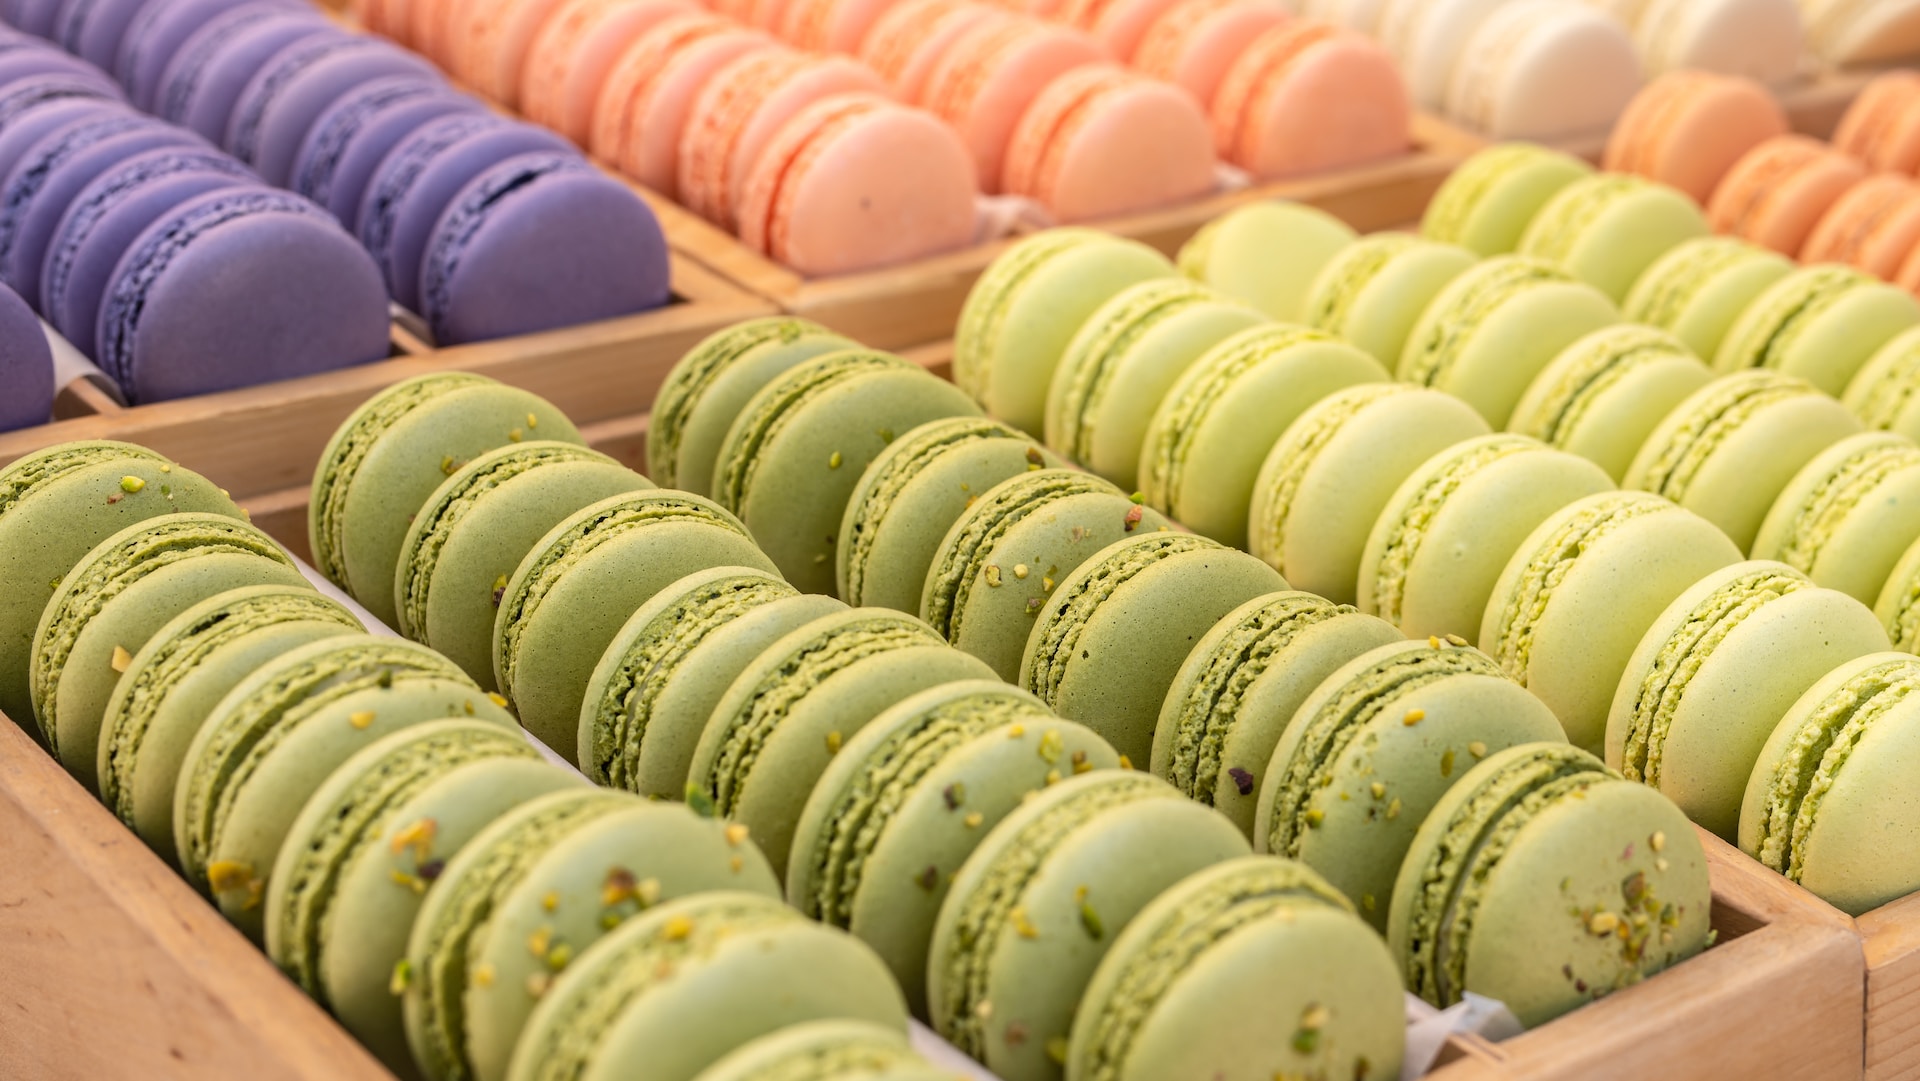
point(1079, 149)
point(909, 41)
point(1194, 45)
point(993, 73)
point(1307, 97)
point(575, 52)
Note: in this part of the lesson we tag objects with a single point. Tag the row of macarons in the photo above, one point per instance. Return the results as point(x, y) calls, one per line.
point(486, 227)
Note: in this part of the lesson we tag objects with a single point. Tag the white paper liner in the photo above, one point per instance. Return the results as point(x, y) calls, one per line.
point(70, 366)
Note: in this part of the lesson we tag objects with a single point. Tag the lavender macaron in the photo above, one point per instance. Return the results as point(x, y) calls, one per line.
point(353, 136)
point(27, 63)
point(204, 78)
point(26, 366)
point(156, 34)
point(32, 109)
point(296, 85)
point(93, 29)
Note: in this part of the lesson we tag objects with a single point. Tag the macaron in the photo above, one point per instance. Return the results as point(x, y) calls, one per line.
point(831, 26)
point(1873, 227)
point(1729, 449)
point(1121, 364)
point(1821, 323)
point(1878, 127)
point(1715, 674)
point(1544, 69)
point(1001, 560)
point(202, 81)
point(1487, 203)
point(1824, 805)
point(1607, 229)
point(1163, 999)
point(912, 494)
point(905, 44)
point(1496, 327)
point(385, 460)
point(346, 144)
point(1043, 898)
point(1204, 449)
point(1687, 128)
point(1269, 116)
point(908, 799)
point(1120, 25)
point(1604, 394)
point(1373, 749)
point(289, 92)
point(791, 460)
point(26, 366)
point(1582, 591)
point(1847, 34)
point(173, 683)
point(1236, 692)
point(1582, 854)
point(55, 506)
point(791, 710)
point(1109, 642)
point(470, 535)
point(490, 44)
point(1234, 254)
point(1881, 393)
point(685, 984)
point(152, 40)
point(1775, 194)
point(578, 585)
point(1373, 292)
point(1193, 45)
point(112, 602)
point(574, 53)
point(824, 1051)
point(992, 73)
point(1444, 536)
point(1699, 289)
point(1679, 35)
point(1326, 481)
point(1428, 38)
point(93, 31)
point(1026, 308)
point(1848, 515)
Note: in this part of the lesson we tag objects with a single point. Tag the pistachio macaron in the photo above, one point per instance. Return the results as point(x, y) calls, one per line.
point(1042, 899)
point(1608, 228)
point(1717, 671)
point(1373, 292)
point(582, 581)
point(1324, 484)
point(1234, 253)
point(912, 494)
point(1898, 606)
point(1109, 642)
point(1846, 518)
point(1373, 749)
point(827, 1051)
point(1583, 589)
point(1698, 290)
point(472, 532)
point(1487, 203)
point(1882, 392)
point(1239, 688)
point(906, 801)
point(712, 382)
point(391, 454)
point(792, 458)
point(1546, 882)
point(1821, 323)
point(1604, 394)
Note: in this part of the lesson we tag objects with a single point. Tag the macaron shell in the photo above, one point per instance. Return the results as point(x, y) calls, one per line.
point(1544, 72)
point(1234, 254)
point(1688, 128)
point(1713, 304)
point(1195, 55)
point(26, 368)
point(1380, 313)
point(989, 78)
point(1609, 422)
point(1881, 392)
point(576, 52)
point(1623, 236)
point(1776, 193)
point(1339, 104)
point(1831, 348)
point(836, 75)
point(641, 130)
point(1852, 858)
point(1846, 530)
point(1487, 204)
point(869, 1050)
point(1086, 167)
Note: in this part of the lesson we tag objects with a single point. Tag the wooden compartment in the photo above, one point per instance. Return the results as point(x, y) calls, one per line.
point(1890, 935)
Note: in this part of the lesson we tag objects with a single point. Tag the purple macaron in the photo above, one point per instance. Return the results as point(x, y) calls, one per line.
point(352, 138)
point(238, 288)
point(93, 29)
point(36, 17)
point(421, 177)
point(296, 85)
point(203, 81)
point(32, 110)
point(18, 65)
point(155, 34)
point(26, 366)
point(540, 241)
point(104, 220)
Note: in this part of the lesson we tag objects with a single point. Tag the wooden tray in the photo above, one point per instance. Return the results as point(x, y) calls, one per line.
point(1890, 935)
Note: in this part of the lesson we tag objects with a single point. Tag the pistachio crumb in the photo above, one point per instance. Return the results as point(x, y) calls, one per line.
point(984, 1010)
point(539, 942)
point(402, 977)
point(1080, 763)
point(122, 660)
point(955, 795)
point(1456, 640)
point(1446, 763)
point(738, 864)
point(1477, 749)
point(1378, 789)
point(1657, 842)
point(992, 574)
point(1053, 777)
point(515, 435)
point(483, 975)
point(1057, 1050)
point(1016, 731)
point(1051, 744)
point(166, 467)
point(499, 589)
point(559, 957)
point(533, 421)
point(1603, 923)
point(1433, 641)
point(1021, 570)
point(1413, 717)
point(833, 742)
point(678, 929)
point(1242, 780)
point(1134, 514)
point(835, 460)
point(736, 834)
point(1034, 458)
point(928, 878)
point(973, 820)
point(1315, 817)
point(538, 983)
point(1660, 863)
point(1046, 585)
point(648, 892)
point(1393, 809)
point(1125, 762)
point(131, 484)
point(551, 901)
point(361, 720)
point(1023, 926)
point(497, 699)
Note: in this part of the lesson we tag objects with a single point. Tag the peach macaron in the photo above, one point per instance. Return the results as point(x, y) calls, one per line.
point(909, 41)
point(1874, 227)
point(1882, 126)
point(1078, 148)
point(1308, 96)
point(1194, 45)
point(1779, 190)
point(1686, 129)
point(993, 73)
point(574, 53)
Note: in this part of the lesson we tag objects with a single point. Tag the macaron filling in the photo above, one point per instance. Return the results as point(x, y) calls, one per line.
point(1838, 495)
point(983, 321)
point(951, 585)
point(1092, 363)
point(741, 460)
point(1304, 440)
point(1791, 312)
point(697, 371)
point(326, 144)
point(1731, 403)
point(1601, 366)
point(463, 220)
point(1492, 285)
point(402, 168)
point(1892, 391)
point(1567, 219)
point(1462, 196)
point(1670, 285)
point(1410, 530)
point(1060, 639)
point(1339, 286)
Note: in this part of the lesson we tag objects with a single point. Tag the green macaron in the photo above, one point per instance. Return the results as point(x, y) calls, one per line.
point(1604, 394)
point(912, 494)
point(906, 801)
point(791, 710)
point(55, 505)
point(1041, 900)
point(1490, 333)
point(688, 983)
point(1441, 541)
point(1324, 484)
point(113, 601)
point(1210, 436)
point(1608, 228)
point(793, 457)
point(1848, 516)
point(1004, 555)
point(1697, 290)
point(1821, 323)
point(1239, 688)
point(1584, 588)
point(1234, 253)
point(538, 889)
point(474, 530)
point(1167, 1000)
point(274, 738)
point(1487, 203)
point(1111, 639)
point(1882, 394)
point(582, 581)
point(1122, 363)
point(1898, 606)
point(827, 1051)
point(1373, 749)
point(1022, 313)
point(1374, 290)
point(1830, 801)
point(712, 382)
point(1717, 671)
point(174, 682)
point(1546, 882)
point(1728, 450)
point(391, 454)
